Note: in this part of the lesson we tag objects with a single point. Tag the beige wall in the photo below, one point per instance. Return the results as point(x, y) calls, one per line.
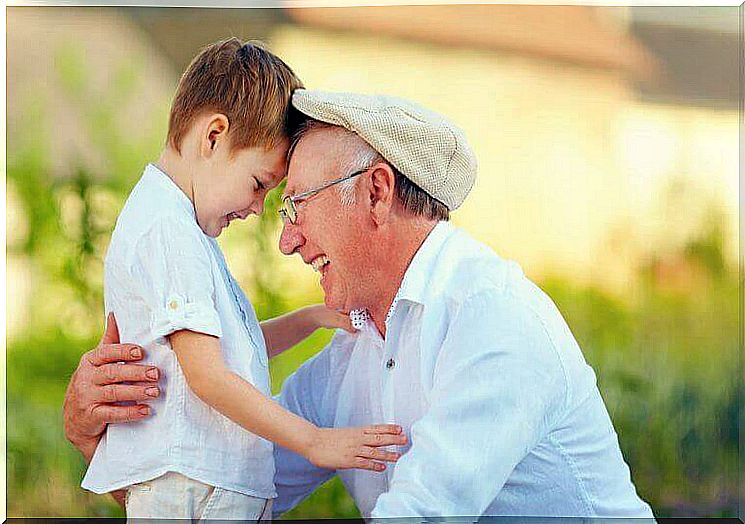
point(50, 49)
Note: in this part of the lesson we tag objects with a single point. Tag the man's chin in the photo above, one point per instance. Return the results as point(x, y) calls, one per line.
point(337, 305)
point(331, 304)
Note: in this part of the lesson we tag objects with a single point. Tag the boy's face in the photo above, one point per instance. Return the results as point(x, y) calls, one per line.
point(231, 186)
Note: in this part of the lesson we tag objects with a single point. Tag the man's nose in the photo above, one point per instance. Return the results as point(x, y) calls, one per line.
point(290, 239)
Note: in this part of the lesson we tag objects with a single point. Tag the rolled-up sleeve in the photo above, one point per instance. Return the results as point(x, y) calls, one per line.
point(498, 383)
point(171, 268)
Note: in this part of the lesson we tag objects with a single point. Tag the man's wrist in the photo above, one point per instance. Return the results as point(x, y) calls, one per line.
point(120, 496)
point(86, 445)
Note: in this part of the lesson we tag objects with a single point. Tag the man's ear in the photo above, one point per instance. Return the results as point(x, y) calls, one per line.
point(381, 192)
point(214, 134)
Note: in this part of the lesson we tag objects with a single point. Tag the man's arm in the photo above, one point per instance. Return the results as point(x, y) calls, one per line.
point(498, 385)
point(311, 393)
point(97, 385)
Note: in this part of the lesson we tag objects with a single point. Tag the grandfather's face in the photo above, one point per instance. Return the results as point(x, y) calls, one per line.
point(331, 237)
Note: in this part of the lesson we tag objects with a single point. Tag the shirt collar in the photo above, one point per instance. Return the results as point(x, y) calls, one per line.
point(415, 282)
point(156, 176)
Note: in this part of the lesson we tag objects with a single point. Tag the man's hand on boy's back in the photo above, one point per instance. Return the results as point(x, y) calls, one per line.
point(105, 377)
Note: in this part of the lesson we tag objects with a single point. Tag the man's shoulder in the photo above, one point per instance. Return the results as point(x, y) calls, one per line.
point(465, 267)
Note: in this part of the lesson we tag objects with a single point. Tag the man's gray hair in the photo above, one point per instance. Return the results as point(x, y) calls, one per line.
point(363, 157)
point(413, 198)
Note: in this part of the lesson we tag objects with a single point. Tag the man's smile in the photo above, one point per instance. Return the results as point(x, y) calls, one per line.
point(319, 263)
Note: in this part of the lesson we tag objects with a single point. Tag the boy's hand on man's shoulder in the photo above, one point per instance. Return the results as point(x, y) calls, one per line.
point(328, 318)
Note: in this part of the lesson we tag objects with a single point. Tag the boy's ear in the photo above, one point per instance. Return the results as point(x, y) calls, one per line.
point(214, 134)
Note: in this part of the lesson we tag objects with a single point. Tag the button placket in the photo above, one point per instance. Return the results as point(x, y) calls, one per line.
point(241, 309)
point(390, 362)
point(388, 366)
point(234, 291)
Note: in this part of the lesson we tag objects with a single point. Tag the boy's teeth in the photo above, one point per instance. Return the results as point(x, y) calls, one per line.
point(319, 262)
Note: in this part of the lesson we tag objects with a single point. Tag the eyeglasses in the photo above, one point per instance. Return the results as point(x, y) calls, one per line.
point(288, 210)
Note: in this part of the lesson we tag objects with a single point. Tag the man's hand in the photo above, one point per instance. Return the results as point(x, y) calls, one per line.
point(97, 387)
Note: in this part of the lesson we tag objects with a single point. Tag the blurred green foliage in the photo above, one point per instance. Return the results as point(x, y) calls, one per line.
point(666, 359)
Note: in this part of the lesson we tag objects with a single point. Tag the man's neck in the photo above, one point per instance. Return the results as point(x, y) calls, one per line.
point(174, 165)
point(403, 248)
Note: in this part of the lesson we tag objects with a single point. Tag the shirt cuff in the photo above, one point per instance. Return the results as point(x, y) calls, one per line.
point(178, 314)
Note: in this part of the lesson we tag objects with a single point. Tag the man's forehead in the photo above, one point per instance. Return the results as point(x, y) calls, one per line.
point(312, 161)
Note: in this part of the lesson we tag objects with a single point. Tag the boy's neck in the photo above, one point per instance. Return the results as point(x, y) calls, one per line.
point(175, 166)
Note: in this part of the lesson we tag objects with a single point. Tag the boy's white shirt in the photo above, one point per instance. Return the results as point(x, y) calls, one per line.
point(163, 274)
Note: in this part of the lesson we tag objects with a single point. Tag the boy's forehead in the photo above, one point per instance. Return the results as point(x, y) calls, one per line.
point(278, 175)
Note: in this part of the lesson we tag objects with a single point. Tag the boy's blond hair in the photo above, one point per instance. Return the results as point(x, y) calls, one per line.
point(249, 85)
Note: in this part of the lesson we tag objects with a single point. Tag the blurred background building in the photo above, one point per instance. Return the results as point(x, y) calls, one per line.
point(608, 146)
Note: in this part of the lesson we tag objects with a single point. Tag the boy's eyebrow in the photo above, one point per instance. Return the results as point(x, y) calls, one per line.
point(265, 178)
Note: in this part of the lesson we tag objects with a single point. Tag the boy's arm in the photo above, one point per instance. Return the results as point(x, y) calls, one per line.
point(208, 377)
point(282, 333)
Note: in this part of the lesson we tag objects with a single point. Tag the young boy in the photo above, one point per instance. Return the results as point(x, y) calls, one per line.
point(204, 454)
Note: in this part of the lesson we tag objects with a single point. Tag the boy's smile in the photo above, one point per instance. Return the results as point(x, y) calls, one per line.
point(234, 184)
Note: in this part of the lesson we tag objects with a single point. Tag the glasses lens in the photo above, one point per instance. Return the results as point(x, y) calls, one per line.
point(287, 211)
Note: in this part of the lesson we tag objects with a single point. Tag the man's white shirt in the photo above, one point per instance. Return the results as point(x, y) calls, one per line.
point(502, 412)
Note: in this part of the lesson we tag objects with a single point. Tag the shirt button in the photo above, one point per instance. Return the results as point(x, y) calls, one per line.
point(390, 364)
point(173, 304)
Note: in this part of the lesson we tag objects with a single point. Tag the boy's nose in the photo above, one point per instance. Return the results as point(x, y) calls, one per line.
point(290, 239)
point(258, 206)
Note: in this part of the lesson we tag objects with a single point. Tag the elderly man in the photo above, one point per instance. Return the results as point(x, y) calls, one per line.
point(455, 344)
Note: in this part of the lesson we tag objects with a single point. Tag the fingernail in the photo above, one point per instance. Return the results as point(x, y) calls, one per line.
point(152, 392)
point(152, 373)
point(144, 410)
point(135, 352)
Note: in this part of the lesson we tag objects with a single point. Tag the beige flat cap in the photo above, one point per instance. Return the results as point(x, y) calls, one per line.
point(421, 144)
